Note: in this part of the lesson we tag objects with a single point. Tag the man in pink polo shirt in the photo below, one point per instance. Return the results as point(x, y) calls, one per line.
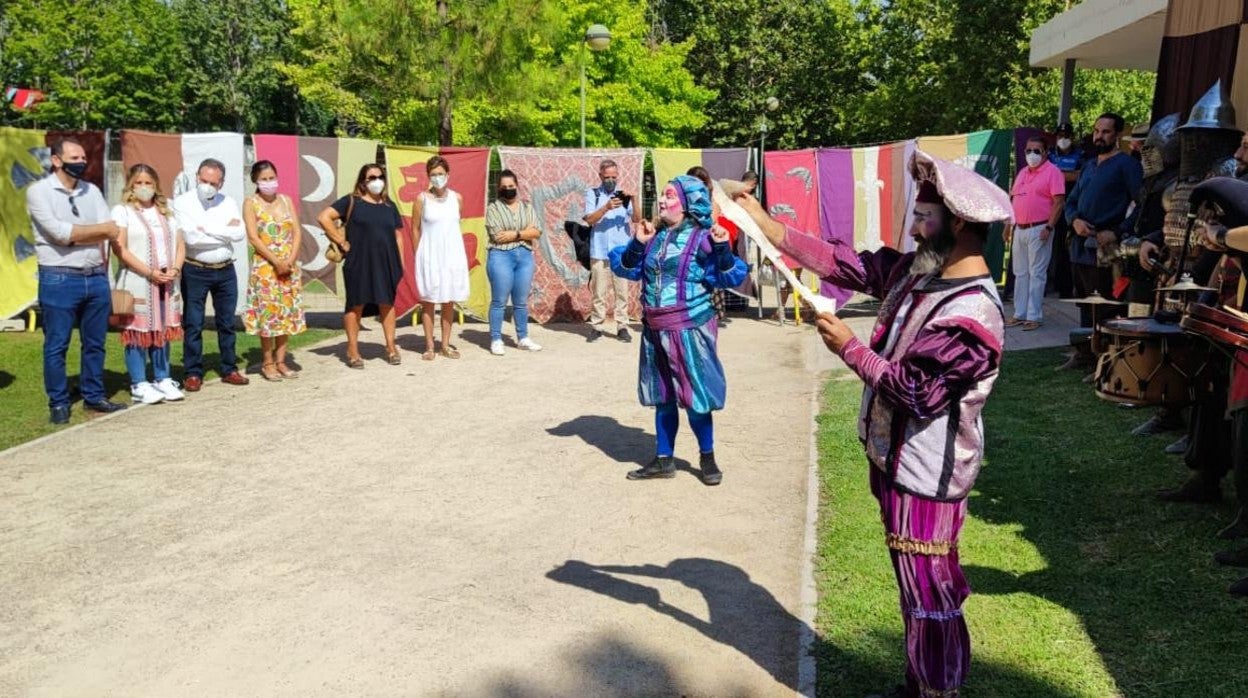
point(1038, 196)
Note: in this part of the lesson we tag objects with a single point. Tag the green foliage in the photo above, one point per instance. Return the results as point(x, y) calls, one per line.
point(103, 63)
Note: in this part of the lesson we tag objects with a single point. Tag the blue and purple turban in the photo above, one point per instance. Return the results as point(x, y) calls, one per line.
point(695, 200)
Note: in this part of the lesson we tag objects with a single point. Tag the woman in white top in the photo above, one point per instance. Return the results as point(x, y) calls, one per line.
point(441, 262)
point(151, 251)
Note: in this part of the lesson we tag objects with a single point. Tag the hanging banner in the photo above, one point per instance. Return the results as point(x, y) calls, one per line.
point(315, 172)
point(25, 158)
point(721, 163)
point(556, 182)
point(176, 158)
point(469, 177)
point(792, 194)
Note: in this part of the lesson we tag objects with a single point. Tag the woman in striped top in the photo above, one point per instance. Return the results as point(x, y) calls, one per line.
point(512, 227)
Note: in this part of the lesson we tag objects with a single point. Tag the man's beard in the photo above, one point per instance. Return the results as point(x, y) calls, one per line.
point(1102, 147)
point(932, 253)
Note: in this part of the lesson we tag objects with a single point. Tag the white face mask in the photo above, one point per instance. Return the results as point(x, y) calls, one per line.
point(439, 181)
point(1034, 159)
point(376, 186)
point(1063, 143)
point(144, 193)
point(206, 191)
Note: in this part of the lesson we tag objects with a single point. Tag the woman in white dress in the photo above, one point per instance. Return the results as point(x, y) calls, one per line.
point(441, 262)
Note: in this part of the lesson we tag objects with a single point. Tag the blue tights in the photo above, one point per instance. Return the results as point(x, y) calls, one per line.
point(667, 423)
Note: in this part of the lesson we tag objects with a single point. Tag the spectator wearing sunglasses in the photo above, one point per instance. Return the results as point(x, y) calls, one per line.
point(372, 244)
point(72, 226)
point(1038, 196)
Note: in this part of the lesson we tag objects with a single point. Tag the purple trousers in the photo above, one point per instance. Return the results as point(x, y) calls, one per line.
point(922, 539)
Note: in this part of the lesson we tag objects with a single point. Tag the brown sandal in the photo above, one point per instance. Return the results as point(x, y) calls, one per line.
point(428, 355)
point(450, 352)
point(286, 371)
point(394, 358)
point(275, 376)
point(356, 363)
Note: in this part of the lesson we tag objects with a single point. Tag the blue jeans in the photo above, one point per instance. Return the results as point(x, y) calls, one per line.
point(68, 300)
point(136, 363)
point(511, 274)
point(197, 283)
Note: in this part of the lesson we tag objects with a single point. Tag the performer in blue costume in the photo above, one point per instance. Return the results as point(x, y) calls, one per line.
point(679, 264)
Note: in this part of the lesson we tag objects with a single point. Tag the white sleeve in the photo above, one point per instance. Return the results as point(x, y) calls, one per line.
point(120, 217)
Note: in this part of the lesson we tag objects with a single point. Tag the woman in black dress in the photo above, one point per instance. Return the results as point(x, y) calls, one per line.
point(372, 244)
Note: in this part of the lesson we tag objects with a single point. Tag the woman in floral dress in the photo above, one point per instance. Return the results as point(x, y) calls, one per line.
point(275, 287)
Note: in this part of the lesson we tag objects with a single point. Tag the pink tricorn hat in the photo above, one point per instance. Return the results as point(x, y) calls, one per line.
point(967, 194)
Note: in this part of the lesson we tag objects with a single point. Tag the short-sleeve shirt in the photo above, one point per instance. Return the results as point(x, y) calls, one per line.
point(1034, 191)
point(612, 230)
point(1070, 162)
point(133, 220)
point(369, 221)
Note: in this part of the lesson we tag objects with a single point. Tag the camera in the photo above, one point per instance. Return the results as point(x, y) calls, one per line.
point(624, 198)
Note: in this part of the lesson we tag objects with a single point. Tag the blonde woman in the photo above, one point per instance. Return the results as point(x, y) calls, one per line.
point(274, 308)
point(151, 251)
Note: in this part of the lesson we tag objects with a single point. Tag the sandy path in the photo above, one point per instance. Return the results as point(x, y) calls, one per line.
point(238, 545)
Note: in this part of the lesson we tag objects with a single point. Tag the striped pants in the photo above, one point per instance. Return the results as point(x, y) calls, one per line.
point(922, 538)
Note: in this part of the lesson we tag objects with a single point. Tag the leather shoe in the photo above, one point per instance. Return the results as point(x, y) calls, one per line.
point(624, 336)
point(59, 414)
point(104, 406)
point(193, 384)
point(235, 378)
point(594, 336)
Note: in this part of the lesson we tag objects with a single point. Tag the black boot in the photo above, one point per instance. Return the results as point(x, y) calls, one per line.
point(661, 466)
point(710, 470)
point(1238, 527)
point(1196, 489)
point(1232, 558)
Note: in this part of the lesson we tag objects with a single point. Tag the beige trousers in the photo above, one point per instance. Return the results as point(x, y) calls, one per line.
point(601, 282)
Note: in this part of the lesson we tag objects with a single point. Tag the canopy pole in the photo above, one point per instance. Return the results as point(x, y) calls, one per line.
point(1068, 90)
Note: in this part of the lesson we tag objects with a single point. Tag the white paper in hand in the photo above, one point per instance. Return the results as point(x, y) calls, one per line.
point(733, 212)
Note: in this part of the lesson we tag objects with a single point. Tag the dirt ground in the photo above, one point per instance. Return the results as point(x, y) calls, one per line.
point(439, 528)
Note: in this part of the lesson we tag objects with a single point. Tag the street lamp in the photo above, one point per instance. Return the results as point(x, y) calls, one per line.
point(598, 38)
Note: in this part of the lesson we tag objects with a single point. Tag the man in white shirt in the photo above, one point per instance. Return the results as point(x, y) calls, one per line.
point(72, 228)
point(211, 225)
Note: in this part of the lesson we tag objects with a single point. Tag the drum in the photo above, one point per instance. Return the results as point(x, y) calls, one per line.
point(1217, 326)
point(1150, 363)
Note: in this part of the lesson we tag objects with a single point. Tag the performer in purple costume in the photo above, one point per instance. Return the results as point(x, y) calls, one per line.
point(678, 265)
point(929, 367)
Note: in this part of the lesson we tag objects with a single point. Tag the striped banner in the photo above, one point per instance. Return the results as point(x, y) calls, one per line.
point(315, 172)
point(721, 163)
point(469, 176)
point(176, 158)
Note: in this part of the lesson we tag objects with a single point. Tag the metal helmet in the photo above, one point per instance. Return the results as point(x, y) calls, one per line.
point(1213, 110)
point(1161, 148)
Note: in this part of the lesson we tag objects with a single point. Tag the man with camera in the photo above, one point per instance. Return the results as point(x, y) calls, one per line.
point(609, 212)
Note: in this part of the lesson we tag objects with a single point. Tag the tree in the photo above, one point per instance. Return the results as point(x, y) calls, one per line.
point(232, 51)
point(102, 63)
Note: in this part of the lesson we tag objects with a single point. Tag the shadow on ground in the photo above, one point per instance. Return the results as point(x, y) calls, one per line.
point(620, 443)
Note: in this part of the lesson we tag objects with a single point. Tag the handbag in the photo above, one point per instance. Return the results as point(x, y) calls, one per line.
point(122, 301)
point(334, 253)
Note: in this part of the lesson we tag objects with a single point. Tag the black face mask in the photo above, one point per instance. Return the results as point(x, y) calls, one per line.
point(507, 194)
point(74, 169)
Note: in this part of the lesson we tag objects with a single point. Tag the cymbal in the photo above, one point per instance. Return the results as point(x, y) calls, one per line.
point(1186, 284)
point(1094, 299)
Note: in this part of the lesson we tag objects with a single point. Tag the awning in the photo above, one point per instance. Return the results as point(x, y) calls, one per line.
point(1102, 34)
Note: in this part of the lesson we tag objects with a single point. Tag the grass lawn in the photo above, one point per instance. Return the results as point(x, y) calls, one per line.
point(1083, 584)
point(24, 405)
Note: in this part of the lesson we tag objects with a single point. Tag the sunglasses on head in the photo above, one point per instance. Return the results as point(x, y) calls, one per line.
point(1037, 151)
point(371, 178)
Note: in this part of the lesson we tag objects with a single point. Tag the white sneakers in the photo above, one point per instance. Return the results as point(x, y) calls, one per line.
point(496, 346)
point(170, 390)
point(146, 393)
point(150, 394)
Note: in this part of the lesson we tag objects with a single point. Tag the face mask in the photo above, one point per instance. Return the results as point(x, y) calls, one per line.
point(267, 187)
point(1063, 143)
point(207, 192)
point(74, 169)
point(507, 194)
point(376, 186)
point(608, 185)
point(144, 193)
point(1034, 159)
point(439, 181)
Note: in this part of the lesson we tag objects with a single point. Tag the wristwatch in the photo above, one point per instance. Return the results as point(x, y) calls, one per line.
point(1220, 236)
